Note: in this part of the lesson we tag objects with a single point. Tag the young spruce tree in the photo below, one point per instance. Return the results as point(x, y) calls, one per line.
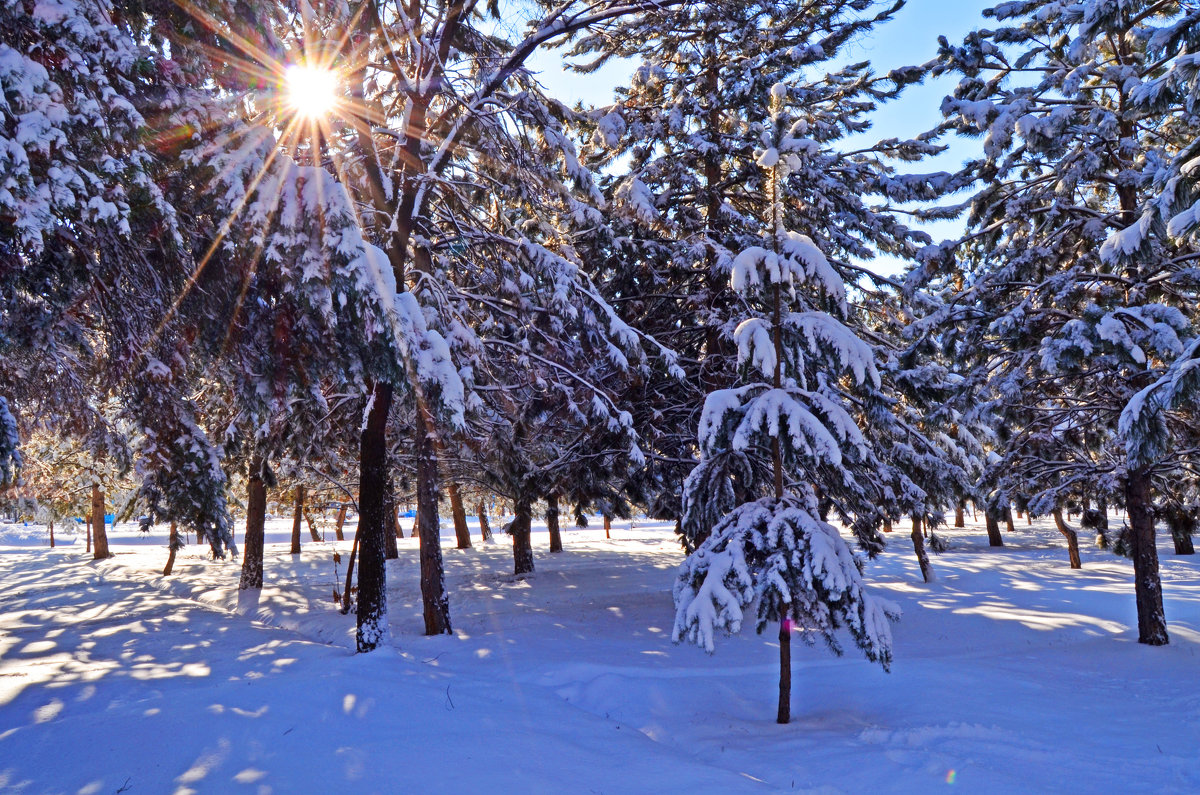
point(776, 552)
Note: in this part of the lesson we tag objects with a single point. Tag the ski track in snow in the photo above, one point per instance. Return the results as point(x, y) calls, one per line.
point(1012, 673)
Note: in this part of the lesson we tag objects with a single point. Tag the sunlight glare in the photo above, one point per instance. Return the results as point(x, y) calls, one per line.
point(311, 90)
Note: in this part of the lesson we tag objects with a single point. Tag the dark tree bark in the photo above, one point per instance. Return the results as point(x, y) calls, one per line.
point(993, 529)
point(341, 520)
point(1152, 622)
point(256, 518)
point(173, 547)
point(959, 516)
point(52, 535)
point(485, 530)
point(918, 539)
point(349, 576)
point(100, 537)
point(552, 523)
point(435, 604)
point(784, 713)
point(1181, 525)
point(887, 525)
point(522, 546)
point(1008, 519)
point(390, 550)
point(372, 523)
point(607, 526)
point(1071, 536)
point(462, 534)
point(296, 520)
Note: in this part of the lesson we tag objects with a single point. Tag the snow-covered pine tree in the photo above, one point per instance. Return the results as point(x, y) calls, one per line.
point(776, 552)
point(1073, 301)
point(681, 141)
point(440, 96)
point(10, 454)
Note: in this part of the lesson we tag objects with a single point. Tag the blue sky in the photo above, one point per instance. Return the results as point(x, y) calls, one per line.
point(910, 38)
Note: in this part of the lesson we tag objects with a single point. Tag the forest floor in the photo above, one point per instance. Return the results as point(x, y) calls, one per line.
point(1012, 673)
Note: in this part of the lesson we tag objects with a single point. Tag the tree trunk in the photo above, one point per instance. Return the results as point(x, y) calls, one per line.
point(1071, 536)
point(349, 576)
point(784, 713)
point(522, 547)
point(462, 534)
point(256, 518)
point(341, 520)
point(296, 520)
point(372, 523)
point(918, 539)
point(993, 529)
point(960, 516)
point(52, 535)
point(313, 533)
point(436, 605)
point(1008, 519)
point(1183, 544)
point(1152, 623)
point(88, 532)
point(1181, 525)
point(100, 536)
point(485, 530)
point(608, 526)
point(887, 524)
point(173, 546)
point(552, 523)
point(392, 530)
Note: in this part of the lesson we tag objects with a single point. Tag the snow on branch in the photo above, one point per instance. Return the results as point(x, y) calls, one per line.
point(776, 554)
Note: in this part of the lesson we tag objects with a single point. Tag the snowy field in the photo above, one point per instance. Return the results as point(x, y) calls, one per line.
point(1012, 674)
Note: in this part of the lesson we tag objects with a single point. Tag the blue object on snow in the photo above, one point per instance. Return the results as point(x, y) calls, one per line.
point(110, 518)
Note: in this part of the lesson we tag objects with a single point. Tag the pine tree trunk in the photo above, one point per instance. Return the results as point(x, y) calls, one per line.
point(172, 547)
point(52, 535)
point(608, 527)
point(392, 530)
point(552, 523)
point(341, 520)
point(372, 523)
point(784, 714)
point(918, 539)
point(1008, 519)
point(100, 536)
point(296, 520)
point(960, 519)
point(887, 524)
point(1183, 544)
point(1071, 536)
point(313, 533)
point(88, 533)
point(256, 519)
point(993, 529)
point(1152, 622)
point(485, 530)
point(349, 576)
point(522, 545)
point(462, 534)
point(436, 605)
point(1178, 522)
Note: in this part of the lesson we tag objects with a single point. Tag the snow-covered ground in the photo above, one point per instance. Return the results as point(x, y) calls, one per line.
point(1013, 673)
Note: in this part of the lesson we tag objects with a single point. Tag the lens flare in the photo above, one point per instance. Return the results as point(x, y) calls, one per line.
point(312, 91)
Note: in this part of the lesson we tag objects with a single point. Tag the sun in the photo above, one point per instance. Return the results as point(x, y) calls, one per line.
point(312, 91)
